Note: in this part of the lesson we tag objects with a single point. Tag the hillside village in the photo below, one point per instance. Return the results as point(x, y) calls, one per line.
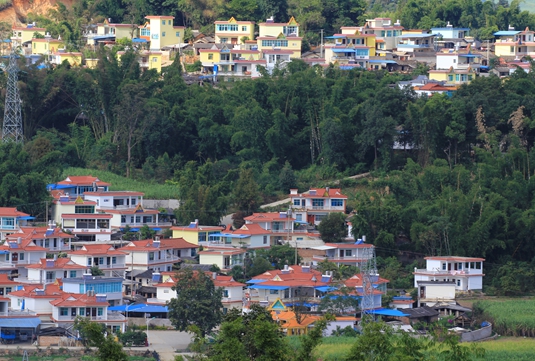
point(240, 49)
point(78, 265)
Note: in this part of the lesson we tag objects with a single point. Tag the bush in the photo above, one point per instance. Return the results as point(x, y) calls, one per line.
point(133, 338)
point(191, 68)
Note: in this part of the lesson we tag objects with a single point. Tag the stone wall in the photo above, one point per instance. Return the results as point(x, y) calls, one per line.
point(477, 335)
point(140, 321)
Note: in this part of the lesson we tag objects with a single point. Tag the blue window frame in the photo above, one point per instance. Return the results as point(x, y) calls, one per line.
point(337, 202)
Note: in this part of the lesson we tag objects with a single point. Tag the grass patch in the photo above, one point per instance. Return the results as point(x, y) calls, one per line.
point(118, 183)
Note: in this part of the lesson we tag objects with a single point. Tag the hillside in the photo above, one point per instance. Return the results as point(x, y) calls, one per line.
point(21, 8)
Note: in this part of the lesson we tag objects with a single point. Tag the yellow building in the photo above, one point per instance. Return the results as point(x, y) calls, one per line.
point(159, 30)
point(283, 36)
point(350, 48)
point(25, 34)
point(91, 63)
point(74, 59)
point(453, 76)
point(515, 43)
point(120, 31)
point(46, 46)
point(195, 233)
point(233, 32)
point(147, 60)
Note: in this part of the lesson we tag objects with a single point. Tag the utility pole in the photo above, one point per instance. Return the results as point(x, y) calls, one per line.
point(12, 130)
point(321, 48)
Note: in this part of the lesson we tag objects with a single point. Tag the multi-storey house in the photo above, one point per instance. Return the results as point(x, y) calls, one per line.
point(107, 31)
point(449, 37)
point(224, 258)
point(7, 285)
point(466, 272)
point(311, 207)
point(23, 35)
point(111, 261)
point(158, 254)
point(49, 270)
point(195, 233)
point(160, 32)
point(110, 286)
point(16, 255)
point(351, 48)
point(279, 36)
point(234, 32)
point(416, 43)
point(386, 33)
point(50, 237)
point(514, 43)
point(351, 254)
point(11, 220)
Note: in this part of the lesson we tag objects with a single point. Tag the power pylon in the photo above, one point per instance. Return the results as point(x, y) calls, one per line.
point(12, 129)
point(369, 277)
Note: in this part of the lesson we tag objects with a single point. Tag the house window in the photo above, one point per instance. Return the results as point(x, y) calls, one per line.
point(299, 217)
point(151, 256)
point(210, 56)
point(450, 77)
point(454, 61)
point(265, 241)
point(273, 292)
point(101, 260)
point(154, 59)
point(84, 209)
point(114, 260)
point(276, 43)
point(443, 266)
point(50, 275)
point(123, 219)
point(457, 77)
point(72, 274)
point(163, 33)
point(348, 253)
point(100, 311)
point(244, 28)
point(21, 256)
point(63, 311)
point(178, 34)
point(8, 290)
point(317, 203)
point(8, 223)
point(155, 36)
point(138, 219)
point(145, 32)
point(163, 22)
point(226, 27)
point(383, 33)
point(297, 202)
point(337, 202)
point(225, 293)
point(458, 283)
point(147, 219)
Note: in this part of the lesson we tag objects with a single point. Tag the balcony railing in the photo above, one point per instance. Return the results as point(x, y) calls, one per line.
point(7, 265)
point(150, 224)
point(88, 230)
point(108, 266)
point(169, 258)
point(355, 258)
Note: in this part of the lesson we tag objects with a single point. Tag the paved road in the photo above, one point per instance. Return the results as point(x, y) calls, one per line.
point(166, 343)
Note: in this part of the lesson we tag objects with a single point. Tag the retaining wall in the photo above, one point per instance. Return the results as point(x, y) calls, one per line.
point(481, 334)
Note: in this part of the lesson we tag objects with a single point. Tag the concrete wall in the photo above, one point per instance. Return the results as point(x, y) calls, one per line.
point(140, 321)
point(482, 333)
point(157, 203)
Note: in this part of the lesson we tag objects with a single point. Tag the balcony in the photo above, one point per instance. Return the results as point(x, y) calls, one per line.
point(7, 265)
point(222, 245)
point(89, 230)
point(108, 266)
point(466, 65)
point(339, 258)
point(168, 258)
point(150, 224)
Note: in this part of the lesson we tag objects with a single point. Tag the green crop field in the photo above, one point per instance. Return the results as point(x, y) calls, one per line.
point(152, 190)
point(510, 317)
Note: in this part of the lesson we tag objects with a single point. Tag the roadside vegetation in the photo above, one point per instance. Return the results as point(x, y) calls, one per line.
point(509, 317)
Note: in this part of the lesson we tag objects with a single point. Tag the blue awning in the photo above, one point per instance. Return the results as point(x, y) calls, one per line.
point(345, 50)
point(230, 235)
point(306, 304)
point(382, 61)
point(23, 322)
point(388, 312)
point(26, 218)
point(150, 309)
point(256, 281)
point(4, 252)
point(156, 229)
point(127, 307)
point(301, 222)
point(139, 40)
point(264, 287)
point(336, 37)
point(54, 186)
point(326, 288)
point(470, 55)
point(506, 32)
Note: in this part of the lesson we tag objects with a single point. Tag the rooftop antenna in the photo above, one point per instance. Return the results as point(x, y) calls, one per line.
point(369, 276)
point(12, 129)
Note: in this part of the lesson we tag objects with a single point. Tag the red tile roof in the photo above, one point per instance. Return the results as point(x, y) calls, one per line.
point(114, 193)
point(220, 281)
point(197, 228)
point(97, 249)
point(60, 263)
point(293, 278)
point(148, 245)
point(77, 300)
point(267, 217)
point(30, 291)
point(356, 281)
point(252, 229)
point(83, 181)
point(37, 233)
point(26, 245)
point(321, 193)
point(349, 245)
point(11, 212)
point(4, 280)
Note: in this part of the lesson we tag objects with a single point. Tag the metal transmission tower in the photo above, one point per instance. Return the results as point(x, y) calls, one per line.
point(369, 277)
point(12, 130)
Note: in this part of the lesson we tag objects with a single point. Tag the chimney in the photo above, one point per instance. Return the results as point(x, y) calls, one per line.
point(19, 240)
point(511, 27)
point(293, 191)
point(327, 189)
point(49, 263)
point(364, 238)
point(397, 23)
point(156, 242)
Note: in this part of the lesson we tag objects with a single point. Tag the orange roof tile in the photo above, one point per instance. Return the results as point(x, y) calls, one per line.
point(11, 212)
point(4, 280)
point(30, 291)
point(25, 244)
point(83, 180)
point(37, 233)
point(267, 217)
point(356, 281)
point(97, 249)
point(60, 263)
point(251, 229)
point(321, 193)
point(148, 245)
point(76, 300)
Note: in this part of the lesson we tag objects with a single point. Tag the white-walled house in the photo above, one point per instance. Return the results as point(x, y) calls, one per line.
point(51, 238)
point(232, 290)
point(16, 255)
point(432, 292)
point(466, 272)
point(36, 298)
point(49, 270)
point(103, 256)
point(311, 207)
point(11, 220)
point(353, 254)
point(158, 254)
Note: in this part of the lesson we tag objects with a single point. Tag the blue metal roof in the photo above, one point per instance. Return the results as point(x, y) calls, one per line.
point(150, 309)
point(255, 281)
point(23, 322)
point(54, 186)
point(449, 29)
point(126, 307)
point(26, 218)
point(263, 287)
point(336, 37)
point(102, 37)
point(139, 40)
point(381, 62)
point(388, 312)
point(506, 32)
point(325, 288)
point(230, 235)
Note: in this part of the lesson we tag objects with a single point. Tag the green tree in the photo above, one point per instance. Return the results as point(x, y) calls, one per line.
point(96, 271)
point(146, 232)
point(246, 193)
point(94, 334)
point(207, 310)
point(333, 228)
point(279, 256)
